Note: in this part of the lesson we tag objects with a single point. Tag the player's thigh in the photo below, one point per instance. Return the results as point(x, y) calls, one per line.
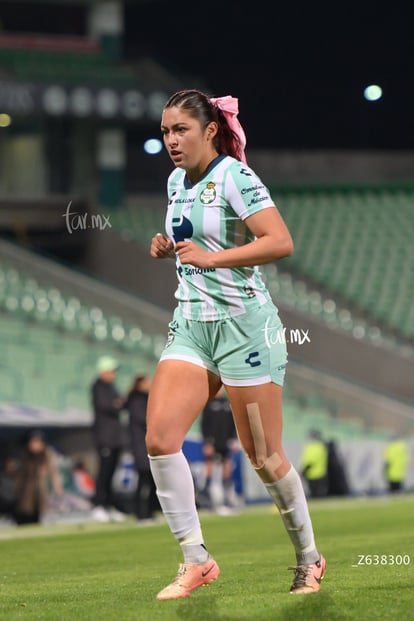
point(257, 412)
point(179, 392)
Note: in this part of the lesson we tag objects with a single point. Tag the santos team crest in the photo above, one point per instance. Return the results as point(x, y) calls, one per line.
point(208, 195)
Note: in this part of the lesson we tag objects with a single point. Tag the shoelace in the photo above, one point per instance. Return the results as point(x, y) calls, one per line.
point(181, 572)
point(301, 574)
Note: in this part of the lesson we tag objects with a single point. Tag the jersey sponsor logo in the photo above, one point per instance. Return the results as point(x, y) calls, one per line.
point(251, 359)
point(252, 189)
point(258, 199)
point(190, 271)
point(182, 229)
point(208, 195)
point(181, 201)
point(170, 200)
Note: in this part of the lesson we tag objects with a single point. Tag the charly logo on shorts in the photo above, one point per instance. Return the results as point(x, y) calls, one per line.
point(208, 195)
point(252, 359)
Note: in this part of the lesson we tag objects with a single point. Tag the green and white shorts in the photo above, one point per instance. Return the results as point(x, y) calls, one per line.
point(245, 350)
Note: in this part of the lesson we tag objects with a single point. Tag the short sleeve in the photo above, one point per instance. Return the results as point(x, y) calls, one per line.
point(245, 191)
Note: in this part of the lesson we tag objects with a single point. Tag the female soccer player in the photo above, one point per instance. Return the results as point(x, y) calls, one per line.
point(221, 224)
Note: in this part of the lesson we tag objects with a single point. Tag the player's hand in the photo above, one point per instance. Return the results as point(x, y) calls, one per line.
point(192, 254)
point(162, 247)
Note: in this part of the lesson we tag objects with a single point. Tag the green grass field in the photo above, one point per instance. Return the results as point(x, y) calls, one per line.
point(112, 572)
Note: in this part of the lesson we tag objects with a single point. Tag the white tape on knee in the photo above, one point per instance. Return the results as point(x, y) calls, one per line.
point(269, 468)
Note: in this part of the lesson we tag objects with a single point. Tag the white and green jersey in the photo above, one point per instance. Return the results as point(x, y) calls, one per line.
point(211, 213)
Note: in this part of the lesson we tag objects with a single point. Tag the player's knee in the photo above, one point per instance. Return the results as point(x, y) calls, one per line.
point(151, 444)
point(160, 444)
point(269, 469)
point(256, 461)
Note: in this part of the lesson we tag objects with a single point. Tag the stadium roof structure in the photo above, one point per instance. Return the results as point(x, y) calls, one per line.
point(72, 76)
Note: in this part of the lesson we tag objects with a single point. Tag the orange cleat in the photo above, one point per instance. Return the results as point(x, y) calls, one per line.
point(190, 576)
point(308, 577)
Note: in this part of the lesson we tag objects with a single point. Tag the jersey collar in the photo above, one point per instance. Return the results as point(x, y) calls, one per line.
point(213, 164)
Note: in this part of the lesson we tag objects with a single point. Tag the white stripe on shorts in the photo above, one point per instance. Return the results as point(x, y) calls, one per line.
point(197, 361)
point(253, 381)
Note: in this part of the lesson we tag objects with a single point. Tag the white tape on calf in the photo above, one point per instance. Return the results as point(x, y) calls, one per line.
point(256, 427)
point(266, 465)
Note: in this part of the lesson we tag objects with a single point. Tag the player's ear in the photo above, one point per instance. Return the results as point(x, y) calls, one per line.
point(211, 130)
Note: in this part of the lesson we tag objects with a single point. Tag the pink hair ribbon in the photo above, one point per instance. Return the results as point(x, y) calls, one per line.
point(230, 108)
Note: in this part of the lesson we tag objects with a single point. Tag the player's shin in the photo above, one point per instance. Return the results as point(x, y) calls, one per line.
point(175, 491)
point(289, 497)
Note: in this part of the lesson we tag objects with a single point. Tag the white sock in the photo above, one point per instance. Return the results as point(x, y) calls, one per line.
point(193, 548)
point(175, 491)
point(289, 497)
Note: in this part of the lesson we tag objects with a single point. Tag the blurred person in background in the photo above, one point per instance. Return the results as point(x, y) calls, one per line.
point(108, 437)
point(83, 482)
point(8, 472)
point(221, 224)
point(219, 442)
point(314, 465)
point(337, 484)
point(396, 463)
point(146, 500)
point(36, 475)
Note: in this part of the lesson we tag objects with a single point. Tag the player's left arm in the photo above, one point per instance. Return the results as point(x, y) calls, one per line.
point(273, 241)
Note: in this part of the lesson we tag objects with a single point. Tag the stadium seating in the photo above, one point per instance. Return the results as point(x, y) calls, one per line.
point(50, 369)
point(356, 244)
point(50, 343)
point(31, 301)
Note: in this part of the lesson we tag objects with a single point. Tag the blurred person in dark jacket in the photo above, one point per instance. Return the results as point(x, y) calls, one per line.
point(36, 475)
point(136, 403)
point(107, 430)
point(8, 472)
point(337, 479)
point(219, 441)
